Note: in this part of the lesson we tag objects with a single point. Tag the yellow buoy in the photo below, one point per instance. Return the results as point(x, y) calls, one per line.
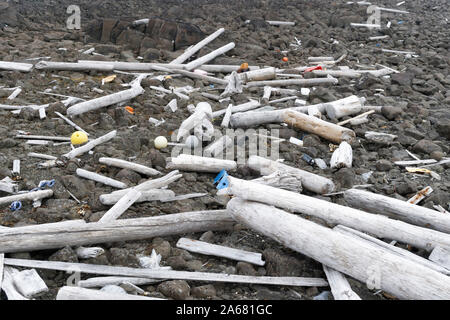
point(78, 137)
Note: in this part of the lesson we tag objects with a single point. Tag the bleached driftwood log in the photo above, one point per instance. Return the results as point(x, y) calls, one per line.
point(441, 256)
point(377, 267)
point(26, 136)
point(258, 75)
point(208, 57)
point(409, 163)
point(399, 52)
point(332, 213)
point(121, 206)
point(129, 165)
point(220, 251)
point(337, 73)
point(98, 282)
point(70, 122)
point(90, 145)
point(192, 50)
point(185, 162)
point(252, 104)
point(280, 23)
point(398, 209)
point(362, 118)
point(309, 181)
point(42, 237)
point(287, 180)
point(379, 137)
point(149, 195)
point(365, 25)
point(293, 82)
point(315, 59)
point(101, 179)
point(152, 184)
point(134, 66)
point(249, 119)
point(77, 66)
point(216, 148)
point(77, 293)
point(29, 283)
point(195, 75)
point(350, 106)
point(396, 250)
point(15, 66)
point(168, 274)
point(340, 288)
point(392, 10)
point(30, 196)
point(342, 157)
point(105, 101)
point(324, 129)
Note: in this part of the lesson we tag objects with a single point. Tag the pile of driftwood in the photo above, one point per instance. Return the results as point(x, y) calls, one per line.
point(346, 243)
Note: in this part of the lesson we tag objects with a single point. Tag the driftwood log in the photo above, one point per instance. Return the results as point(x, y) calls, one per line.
point(53, 236)
point(377, 267)
point(332, 213)
point(167, 274)
point(324, 129)
point(398, 209)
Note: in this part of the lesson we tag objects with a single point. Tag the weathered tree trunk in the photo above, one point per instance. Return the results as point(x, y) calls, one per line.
point(380, 268)
point(210, 56)
point(168, 274)
point(105, 101)
point(324, 129)
point(30, 196)
point(332, 213)
point(90, 145)
point(293, 82)
point(79, 66)
point(149, 195)
point(44, 237)
point(191, 51)
point(186, 162)
point(15, 66)
point(121, 206)
point(398, 209)
point(129, 165)
point(220, 251)
point(77, 293)
point(396, 250)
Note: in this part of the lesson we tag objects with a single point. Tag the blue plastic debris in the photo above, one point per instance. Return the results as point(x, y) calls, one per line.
point(308, 159)
point(46, 183)
point(222, 180)
point(16, 205)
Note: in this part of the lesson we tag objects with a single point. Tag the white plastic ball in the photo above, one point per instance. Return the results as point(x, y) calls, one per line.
point(161, 142)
